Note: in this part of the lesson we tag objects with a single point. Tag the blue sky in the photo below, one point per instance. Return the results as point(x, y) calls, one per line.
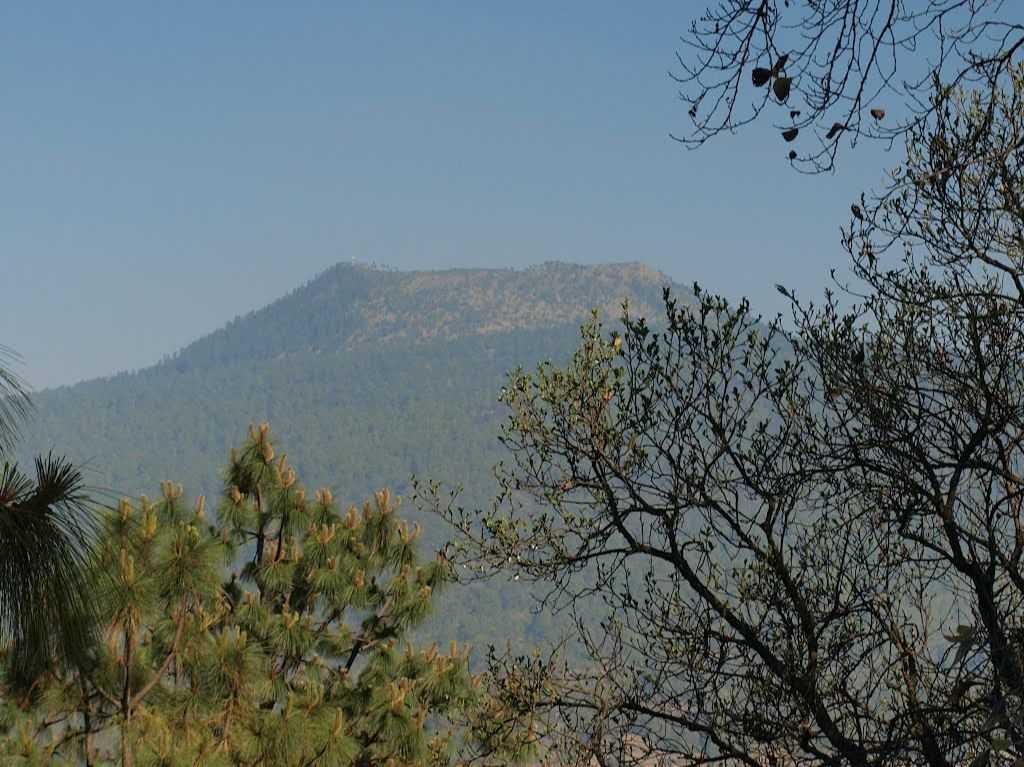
point(166, 167)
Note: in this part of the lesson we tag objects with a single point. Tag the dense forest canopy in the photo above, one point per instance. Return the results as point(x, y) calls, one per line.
point(370, 376)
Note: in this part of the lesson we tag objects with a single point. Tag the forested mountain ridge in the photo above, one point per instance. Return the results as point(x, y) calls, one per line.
point(406, 365)
point(349, 307)
point(366, 376)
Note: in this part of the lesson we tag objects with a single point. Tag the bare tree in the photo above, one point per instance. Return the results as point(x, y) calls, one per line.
point(803, 539)
point(831, 71)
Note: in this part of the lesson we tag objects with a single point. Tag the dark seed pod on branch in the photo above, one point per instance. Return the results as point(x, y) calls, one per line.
point(790, 133)
point(781, 87)
point(834, 130)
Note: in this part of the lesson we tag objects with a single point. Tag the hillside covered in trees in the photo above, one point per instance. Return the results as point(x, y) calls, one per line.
point(369, 376)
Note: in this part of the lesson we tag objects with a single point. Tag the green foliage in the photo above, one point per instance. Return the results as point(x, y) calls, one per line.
point(807, 535)
point(374, 376)
point(276, 635)
point(14, 401)
point(44, 534)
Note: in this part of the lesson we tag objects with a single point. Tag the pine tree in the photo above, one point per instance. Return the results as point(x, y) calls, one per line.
point(45, 534)
point(275, 635)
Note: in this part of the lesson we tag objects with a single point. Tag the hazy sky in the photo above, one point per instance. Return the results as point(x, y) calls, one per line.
point(165, 167)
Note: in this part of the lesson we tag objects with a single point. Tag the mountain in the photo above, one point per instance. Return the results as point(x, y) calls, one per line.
point(366, 377)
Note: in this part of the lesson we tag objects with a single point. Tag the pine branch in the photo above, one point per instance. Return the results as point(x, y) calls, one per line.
point(180, 626)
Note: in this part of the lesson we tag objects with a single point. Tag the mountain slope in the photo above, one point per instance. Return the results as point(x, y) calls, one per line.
point(353, 307)
point(367, 377)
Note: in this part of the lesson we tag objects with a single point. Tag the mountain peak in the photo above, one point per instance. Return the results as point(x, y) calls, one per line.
point(354, 305)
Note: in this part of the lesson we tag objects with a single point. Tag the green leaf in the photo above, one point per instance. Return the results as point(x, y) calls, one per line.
point(1000, 743)
point(981, 760)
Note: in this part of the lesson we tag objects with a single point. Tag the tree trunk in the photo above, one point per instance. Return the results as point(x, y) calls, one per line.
point(126, 749)
point(86, 725)
point(126, 700)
